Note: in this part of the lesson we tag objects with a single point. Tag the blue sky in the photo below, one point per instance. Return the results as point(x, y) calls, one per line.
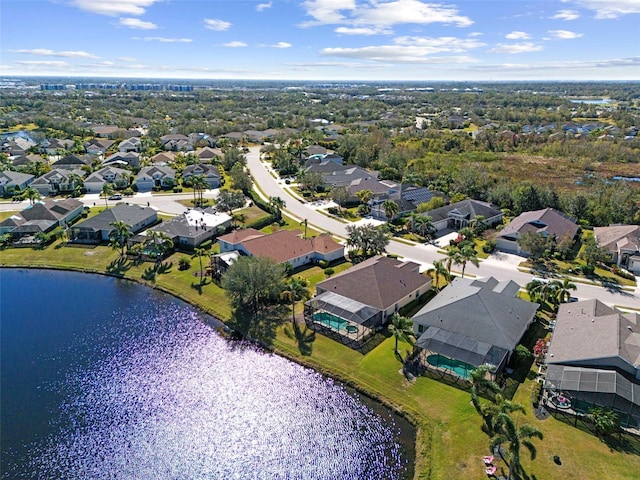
point(471, 40)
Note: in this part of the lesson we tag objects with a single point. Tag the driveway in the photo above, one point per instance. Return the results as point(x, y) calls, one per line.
point(502, 266)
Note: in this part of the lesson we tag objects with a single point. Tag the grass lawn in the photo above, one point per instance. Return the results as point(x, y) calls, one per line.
point(450, 443)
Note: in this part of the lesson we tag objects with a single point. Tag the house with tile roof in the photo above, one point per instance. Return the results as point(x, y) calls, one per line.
point(283, 246)
point(121, 159)
point(352, 305)
point(57, 181)
point(593, 359)
point(622, 242)
point(98, 228)
point(26, 160)
point(132, 144)
point(460, 214)
point(548, 222)
point(194, 227)
point(472, 322)
point(73, 162)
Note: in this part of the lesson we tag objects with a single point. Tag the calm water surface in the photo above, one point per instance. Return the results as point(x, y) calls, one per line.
point(102, 378)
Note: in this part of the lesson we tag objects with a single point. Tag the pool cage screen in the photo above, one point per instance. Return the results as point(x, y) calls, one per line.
point(462, 348)
point(587, 387)
point(363, 319)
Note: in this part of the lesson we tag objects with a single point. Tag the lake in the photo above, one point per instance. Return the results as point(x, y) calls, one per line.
point(104, 378)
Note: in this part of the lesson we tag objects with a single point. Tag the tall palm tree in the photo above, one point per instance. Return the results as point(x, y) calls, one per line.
point(305, 222)
point(453, 256)
point(424, 226)
point(158, 244)
point(199, 184)
point(516, 437)
point(364, 196)
point(119, 235)
point(467, 254)
point(402, 329)
point(439, 270)
point(277, 204)
point(200, 252)
point(107, 191)
point(480, 383)
point(390, 209)
point(32, 194)
point(410, 220)
point(296, 289)
point(494, 413)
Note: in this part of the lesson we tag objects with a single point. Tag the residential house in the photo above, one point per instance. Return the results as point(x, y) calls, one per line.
point(55, 145)
point(42, 216)
point(105, 131)
point(208, 154)
point(132, 144)
point(622, 242)
point(73, 162)
point(18, 146)
point(460, 214)
point(352, 305)
point(155, 176)
point(548, 222)
point(11, 181)
point(27, 160)
point(95, 181)
point(58, 181)
point(120, 159)
point(471, 322)
point(98, 228)
point(98, 146)
point(194, 227)
point(211, 173)
point(593, 359)
point(283, 246)
point(176, 143)
point(163, 158)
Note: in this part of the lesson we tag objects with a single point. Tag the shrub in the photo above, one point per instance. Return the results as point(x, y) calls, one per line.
point(588, 269)
point(329, 271)
point(323, 263)
point(184, 263)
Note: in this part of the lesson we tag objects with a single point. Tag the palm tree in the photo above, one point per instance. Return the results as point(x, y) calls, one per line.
point(305, 222)
point(200, 252)
point(402, 329)
point(425, 227)
point(158, 244)
point(516, 437)
point(605, 421)
point(561, 289)
point(364, 196)
point(107, 191)
point(119, 235)
point(390, 209)
point(199, 184)
point(438, 270)
point(277, 204)
point(453, 256)
point(410, 221)
point(32, 194)
point(480, 383)
point(296, 289)
point(478, 224)
point(494, 413)
point(467, 254)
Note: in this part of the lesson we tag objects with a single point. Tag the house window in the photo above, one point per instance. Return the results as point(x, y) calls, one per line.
point(420, 328)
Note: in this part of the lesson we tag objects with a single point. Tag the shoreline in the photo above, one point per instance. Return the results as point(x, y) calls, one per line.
point(412, 417)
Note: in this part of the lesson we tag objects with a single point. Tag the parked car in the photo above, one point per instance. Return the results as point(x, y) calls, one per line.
point(115, 196)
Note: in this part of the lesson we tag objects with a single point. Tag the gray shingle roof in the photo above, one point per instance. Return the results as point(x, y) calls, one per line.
point(129, 214)
point(466, 208)
point(547, 220)
point(485, 310)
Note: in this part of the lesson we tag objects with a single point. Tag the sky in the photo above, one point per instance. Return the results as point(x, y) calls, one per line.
point(326, 40)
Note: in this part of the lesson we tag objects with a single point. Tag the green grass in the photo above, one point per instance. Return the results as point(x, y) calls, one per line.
point(449, 441)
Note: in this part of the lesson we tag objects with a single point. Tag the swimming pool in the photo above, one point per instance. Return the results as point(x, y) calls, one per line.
point(330, 321)
point(461, 369)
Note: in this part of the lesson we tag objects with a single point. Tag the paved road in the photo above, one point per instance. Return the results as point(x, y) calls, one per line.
point(501, 265)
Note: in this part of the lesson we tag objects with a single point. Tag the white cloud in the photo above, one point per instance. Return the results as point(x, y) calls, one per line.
point(564, 34)
point(381, 13)
point(408, 49)
point(127, 59)
point(164, 39)
point(137, 23)
point(114, 7)
point(282, 45)
point(524, 47)
point(566, 15)
point(217, 25)
point(43, 63)
point(234, 44)
point(263, 6)
point(515, 35)
point(608, 9)
point(45, 52)
point(362, 31)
